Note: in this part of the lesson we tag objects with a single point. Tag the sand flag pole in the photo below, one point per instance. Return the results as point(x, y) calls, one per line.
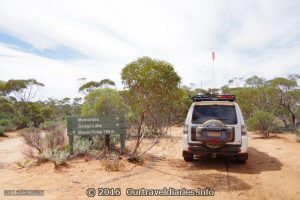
point(213, 73)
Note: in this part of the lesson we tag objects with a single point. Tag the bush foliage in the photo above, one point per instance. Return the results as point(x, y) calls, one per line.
point(263, 122)
point(46, 145)
point(57, 156)
point(1, 131)
point(81, 145)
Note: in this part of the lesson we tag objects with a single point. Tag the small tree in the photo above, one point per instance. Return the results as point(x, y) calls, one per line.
point(285, 93)
point(102, 102)
point(93, 85)
point(263, 122)
point(46, 112)
point(152, 90)
point(24, 90)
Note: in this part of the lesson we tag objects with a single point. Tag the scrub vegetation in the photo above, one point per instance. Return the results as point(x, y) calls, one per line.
point(152, 100)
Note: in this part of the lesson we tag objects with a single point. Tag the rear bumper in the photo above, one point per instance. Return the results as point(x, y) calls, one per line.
point(227, 150)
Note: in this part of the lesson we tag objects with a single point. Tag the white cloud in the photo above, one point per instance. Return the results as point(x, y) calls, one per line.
point(250, 37)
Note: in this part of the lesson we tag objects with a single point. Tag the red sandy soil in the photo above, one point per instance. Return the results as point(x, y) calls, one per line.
point(9, 135)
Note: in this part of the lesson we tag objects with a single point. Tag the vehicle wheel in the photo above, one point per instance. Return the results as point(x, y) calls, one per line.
point(188, 157)
point(242, 159)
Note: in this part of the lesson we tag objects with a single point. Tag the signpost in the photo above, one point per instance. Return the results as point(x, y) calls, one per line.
point(108, 125)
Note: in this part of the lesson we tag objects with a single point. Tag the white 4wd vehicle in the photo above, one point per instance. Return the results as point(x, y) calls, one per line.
point(215, 126)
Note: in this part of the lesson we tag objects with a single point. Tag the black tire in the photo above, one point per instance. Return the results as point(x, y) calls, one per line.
point(188, 157)
point(242, 159)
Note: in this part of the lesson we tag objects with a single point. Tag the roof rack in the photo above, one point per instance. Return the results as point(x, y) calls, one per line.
point(214, 97)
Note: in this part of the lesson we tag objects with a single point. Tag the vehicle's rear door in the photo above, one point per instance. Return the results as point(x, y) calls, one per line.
point(226, 113)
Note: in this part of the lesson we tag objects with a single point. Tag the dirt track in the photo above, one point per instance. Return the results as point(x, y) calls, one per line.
point(272, 172)
point(10, 151)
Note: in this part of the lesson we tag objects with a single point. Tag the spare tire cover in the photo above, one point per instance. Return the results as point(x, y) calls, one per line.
point(213, 123)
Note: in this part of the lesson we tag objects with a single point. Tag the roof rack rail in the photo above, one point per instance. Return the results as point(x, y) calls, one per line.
point(214, 97)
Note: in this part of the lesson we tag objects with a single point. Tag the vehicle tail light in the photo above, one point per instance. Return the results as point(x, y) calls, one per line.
point(244, 130)
point(185, 129)
point(226, 97)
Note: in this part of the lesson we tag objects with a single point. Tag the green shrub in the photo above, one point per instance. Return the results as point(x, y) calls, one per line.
point(5, 122)
point(103, 102)
point(67, 148)
point(46, 112)
point(81, 145)
point(49, 125)
point(98, 141)
point(57, 156)
point(9, 127)
point(1, 131)
point(30, 125)
point(114, 139)
point(263, 122)
point(21, 121)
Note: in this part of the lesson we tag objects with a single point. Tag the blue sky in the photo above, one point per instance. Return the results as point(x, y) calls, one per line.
point(57, 53)
point(58, 42)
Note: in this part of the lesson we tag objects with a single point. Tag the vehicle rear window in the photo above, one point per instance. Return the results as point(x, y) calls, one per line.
point(224, 113)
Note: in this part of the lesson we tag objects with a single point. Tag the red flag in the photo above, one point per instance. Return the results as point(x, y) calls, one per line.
point(213, 55)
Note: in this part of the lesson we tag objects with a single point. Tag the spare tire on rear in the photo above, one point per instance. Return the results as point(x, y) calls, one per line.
point(213, 123)
point(214, 133)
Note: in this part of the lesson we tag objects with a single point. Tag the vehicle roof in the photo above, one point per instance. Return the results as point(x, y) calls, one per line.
point(215, 103)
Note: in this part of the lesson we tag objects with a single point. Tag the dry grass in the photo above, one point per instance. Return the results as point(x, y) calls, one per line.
point(112, 165)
